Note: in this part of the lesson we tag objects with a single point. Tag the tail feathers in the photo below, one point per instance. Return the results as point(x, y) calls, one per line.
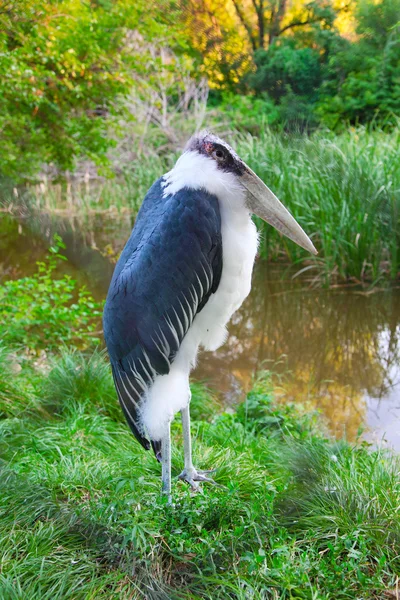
point(129, 404)
point(156, 445)
point(129, 398)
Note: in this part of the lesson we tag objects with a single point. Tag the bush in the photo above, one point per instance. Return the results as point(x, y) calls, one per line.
point(284, 68)
point(42, 312)
point(318, 76)
point(247, 113)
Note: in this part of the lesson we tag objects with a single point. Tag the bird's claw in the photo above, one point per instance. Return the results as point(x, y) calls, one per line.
point(194, 477)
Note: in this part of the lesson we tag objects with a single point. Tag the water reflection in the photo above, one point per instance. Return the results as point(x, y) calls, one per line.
point(335, 350)
point(93, 243)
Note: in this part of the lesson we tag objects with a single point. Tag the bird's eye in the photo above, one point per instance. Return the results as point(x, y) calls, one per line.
point(219, 155)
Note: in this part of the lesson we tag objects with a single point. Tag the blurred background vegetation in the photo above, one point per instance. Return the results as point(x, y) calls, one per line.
point(97, 99)
point(107, 81)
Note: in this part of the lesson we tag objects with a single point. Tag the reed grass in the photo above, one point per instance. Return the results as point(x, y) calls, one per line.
point(345, 192)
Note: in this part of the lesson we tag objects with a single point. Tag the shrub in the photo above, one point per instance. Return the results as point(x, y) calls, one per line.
point(41, 311)
point(247, 113)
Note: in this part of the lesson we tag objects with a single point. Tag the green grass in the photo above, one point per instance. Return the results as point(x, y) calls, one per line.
point(345, 192)
point(81, 516)
point(343, 189)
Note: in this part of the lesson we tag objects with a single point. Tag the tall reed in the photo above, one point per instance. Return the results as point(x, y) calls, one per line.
point(345, 192)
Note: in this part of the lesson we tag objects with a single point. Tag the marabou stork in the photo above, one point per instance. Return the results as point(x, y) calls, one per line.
point(184, 271)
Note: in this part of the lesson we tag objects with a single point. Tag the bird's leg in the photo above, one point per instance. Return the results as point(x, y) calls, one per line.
point(189, 473)
point(187, 441)
point(166, 463)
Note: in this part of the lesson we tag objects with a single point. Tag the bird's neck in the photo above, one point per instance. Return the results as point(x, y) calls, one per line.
point(196, 171)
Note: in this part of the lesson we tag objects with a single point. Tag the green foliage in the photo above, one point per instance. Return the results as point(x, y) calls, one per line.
point(318, 76)
point(245, 113)
point(363, 82)
point(260, 414)
point(343, 190)
point(60, 63)
point(42, 312)
point(292, 72)
point(65, 68)
point(288, 74)
point(81, 514)
point(77, 77)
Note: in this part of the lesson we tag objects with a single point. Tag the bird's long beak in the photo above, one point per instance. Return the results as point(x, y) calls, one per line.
point(263, 203)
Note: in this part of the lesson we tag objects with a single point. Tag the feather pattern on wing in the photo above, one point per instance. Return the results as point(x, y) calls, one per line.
point(167, 271)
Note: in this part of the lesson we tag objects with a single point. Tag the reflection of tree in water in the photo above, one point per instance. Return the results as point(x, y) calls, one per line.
point(337, 345)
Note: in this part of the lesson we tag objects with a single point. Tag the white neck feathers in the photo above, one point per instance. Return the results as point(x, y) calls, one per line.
point(195, 171)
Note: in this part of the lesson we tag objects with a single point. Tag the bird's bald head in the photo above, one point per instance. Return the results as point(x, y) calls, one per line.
point(210, 145)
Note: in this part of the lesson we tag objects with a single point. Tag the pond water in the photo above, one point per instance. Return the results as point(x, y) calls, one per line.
point(335, 350)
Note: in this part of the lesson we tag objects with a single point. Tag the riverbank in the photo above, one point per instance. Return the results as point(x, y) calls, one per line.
point(336, 350)
point(297, 514)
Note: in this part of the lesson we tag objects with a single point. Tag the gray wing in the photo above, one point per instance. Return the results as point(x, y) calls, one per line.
point(169, 268)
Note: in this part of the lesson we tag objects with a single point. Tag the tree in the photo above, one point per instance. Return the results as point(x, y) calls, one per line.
point(227, 34)
point(64, 64)
point(223, 51)
point(363, 78)
point(265, 20)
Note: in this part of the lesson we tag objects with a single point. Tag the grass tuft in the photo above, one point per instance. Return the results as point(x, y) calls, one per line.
point(13, 397)
point(80, 380)
point(297, 515)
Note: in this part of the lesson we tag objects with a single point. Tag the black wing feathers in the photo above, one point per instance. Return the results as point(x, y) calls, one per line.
point(170, 266)
point(129, 406)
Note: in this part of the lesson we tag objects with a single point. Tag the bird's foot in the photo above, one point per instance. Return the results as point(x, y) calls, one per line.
point(194, 477)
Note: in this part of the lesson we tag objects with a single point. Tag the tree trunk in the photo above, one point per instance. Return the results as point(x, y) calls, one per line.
point(259, 8)
point(276, 20)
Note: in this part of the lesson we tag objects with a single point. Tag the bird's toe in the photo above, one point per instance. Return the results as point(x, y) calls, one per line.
point(188, 476)
point(202, 476)
point(194, 477)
